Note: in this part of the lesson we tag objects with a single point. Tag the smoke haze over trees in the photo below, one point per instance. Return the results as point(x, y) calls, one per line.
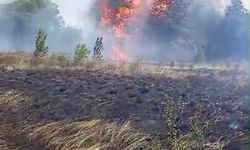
point(20, 21)
point(189, 26)
point(229, 37)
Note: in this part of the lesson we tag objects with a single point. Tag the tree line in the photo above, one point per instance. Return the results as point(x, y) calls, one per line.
point(224, 38)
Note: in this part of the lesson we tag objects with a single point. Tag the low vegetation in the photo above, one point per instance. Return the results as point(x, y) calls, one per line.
point(81, 53)
point(195, 136)
point(95, 134)
point(41, 48)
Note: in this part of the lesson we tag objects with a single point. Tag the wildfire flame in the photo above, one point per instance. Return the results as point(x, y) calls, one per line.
point(119, 54)
point(160, 7)
point(116, 19)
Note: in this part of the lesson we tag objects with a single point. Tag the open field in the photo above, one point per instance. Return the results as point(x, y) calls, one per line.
point(130, 106)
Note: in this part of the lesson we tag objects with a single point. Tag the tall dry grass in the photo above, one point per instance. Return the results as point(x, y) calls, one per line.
point(65, 135)
point(89, 135)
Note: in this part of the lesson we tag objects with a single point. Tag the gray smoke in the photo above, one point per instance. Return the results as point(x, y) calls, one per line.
point(201, 25)
point(20, 22)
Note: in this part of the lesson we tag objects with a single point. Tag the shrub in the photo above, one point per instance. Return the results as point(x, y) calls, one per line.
point(197, 123)
point(41, 48)
point(81, 53)
point(98, 49)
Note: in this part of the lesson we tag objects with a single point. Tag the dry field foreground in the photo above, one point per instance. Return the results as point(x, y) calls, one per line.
point(90, 108)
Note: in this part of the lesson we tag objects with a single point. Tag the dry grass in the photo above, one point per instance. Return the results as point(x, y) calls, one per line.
point(11, 99)
point(196, 136)
point(65, 135)
point(89, 135)
point(23, 60)
point(8, 103)
point(4, 145)
point(101, 135)
point(20, 60)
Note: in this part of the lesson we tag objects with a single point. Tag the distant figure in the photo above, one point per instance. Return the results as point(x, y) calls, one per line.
point(98, 49)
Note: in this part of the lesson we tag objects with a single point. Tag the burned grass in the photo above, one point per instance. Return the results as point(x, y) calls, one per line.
point(89, 107)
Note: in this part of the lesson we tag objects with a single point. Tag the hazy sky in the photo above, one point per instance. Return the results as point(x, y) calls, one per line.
point(6, 1)
point(76, 12)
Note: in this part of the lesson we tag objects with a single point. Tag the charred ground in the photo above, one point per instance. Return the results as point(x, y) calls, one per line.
point(34, 97)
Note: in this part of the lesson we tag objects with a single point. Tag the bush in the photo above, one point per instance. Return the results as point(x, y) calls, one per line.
point(81, 53)
point(41, 48)
point(198, 124)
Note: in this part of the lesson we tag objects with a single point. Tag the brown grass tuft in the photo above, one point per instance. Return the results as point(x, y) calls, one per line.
point(89, 135)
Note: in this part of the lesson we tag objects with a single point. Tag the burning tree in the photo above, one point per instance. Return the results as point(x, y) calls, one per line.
point(119, 16)
point(159, 7)
point(124, 20)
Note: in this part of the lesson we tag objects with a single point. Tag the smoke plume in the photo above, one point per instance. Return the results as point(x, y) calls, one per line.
point(155, 29)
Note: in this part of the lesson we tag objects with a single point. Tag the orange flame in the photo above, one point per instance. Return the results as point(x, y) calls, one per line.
point(106, 19)
point(130, 11)
point(118, 53)
point(117, 17)
point(160, 7)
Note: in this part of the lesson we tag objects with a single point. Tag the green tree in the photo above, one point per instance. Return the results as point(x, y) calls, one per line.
point(81, 52)
point(41, 48)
